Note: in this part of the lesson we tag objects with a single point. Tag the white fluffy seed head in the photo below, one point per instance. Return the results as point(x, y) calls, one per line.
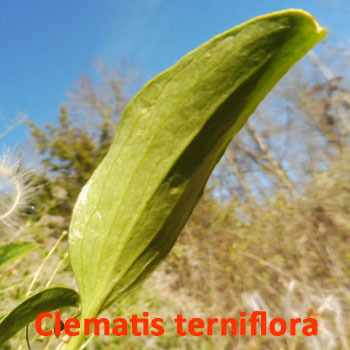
point(16, 188)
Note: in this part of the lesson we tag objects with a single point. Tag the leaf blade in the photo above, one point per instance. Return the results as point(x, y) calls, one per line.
point(168, 141)
point(12, 251)
point(26, 312)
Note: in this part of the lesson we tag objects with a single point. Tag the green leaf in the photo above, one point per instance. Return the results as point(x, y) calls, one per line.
point(169, 139)
point(15, 250)
point(46, 300)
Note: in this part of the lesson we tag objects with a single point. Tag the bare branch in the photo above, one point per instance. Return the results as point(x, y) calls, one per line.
point(17, 123)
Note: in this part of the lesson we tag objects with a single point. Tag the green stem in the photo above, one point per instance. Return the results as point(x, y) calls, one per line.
point(64, 233)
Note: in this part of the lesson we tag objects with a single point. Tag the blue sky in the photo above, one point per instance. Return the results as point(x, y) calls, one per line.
point(47, 45)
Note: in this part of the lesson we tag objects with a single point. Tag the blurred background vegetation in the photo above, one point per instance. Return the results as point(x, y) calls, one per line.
point(272, 231)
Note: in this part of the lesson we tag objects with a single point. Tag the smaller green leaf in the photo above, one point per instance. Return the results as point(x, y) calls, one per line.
point(46, 300)
point(15, 250)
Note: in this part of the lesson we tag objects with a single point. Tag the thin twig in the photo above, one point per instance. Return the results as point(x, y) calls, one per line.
point(65, 256)
point(14, 126)
point(64, 233)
